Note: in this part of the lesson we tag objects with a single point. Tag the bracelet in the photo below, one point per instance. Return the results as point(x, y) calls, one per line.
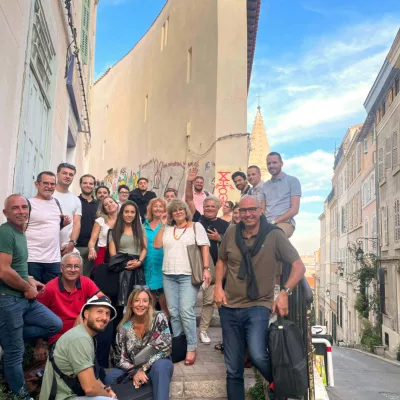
point(92, 248)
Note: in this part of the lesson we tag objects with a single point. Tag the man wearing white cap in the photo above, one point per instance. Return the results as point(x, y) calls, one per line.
point(70, 371)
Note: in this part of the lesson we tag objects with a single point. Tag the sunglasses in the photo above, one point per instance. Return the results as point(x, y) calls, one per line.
point(67, 165)
point(141, 287)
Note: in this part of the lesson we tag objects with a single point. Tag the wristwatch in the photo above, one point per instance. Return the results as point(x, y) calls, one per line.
point(288, 291)
point(72, 241)
point(208, 269)
point(273, 222)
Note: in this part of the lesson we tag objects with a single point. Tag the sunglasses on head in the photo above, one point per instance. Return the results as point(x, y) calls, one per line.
point(141, 287)
point(67, 165)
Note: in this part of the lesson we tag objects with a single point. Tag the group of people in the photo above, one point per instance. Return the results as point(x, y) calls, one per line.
point(77, 267)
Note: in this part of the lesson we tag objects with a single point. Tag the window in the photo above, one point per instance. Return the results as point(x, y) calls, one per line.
point(397, 220)
point(343, 212)
point(380, 163)
point(189, 66)
point(395, 156)
point(366, 234)
point(350, 205)
point(374, 232)
point(384, 224)
point(396, 86)
point(146, 105)
point(358, 158)
point(372, 185)
point(366, 145)
point(383, 108)
point(388, 151)
point(85, 31)
point(162, 36)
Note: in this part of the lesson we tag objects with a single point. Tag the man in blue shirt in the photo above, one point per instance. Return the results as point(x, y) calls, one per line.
point(281, 195)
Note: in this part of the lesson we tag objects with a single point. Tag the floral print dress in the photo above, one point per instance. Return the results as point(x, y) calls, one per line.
point(128, 344)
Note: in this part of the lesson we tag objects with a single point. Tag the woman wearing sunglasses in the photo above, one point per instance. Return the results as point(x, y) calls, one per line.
point(143, 345)
point(176, 233)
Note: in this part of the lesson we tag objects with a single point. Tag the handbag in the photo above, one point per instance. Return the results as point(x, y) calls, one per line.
point(147, 351)
point(33, 374)
point(126, 391)
point(179, 348)
point(196, 262)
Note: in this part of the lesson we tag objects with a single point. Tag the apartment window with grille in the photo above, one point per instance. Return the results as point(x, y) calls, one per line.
point(43, 53)
point(388, 151)
point(395, 155)
point(84, 51)
point(397, 220)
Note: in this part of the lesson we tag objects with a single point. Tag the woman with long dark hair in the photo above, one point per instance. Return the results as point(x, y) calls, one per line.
point(128, 240)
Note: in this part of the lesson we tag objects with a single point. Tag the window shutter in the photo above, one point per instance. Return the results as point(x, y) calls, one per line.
point(359, 157)
point(85, 31)
point(397, 220)
point(388, 151)
point(380, 163)
point(395, 156)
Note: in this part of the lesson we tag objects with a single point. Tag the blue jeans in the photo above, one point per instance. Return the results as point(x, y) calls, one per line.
point(22, 319)
point(241, 326)
point(44, 272)
point(181, 298)
point(160, 375)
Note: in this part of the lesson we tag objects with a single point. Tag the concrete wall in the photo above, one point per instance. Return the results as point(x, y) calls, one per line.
point(16, 29)
point(144, 107)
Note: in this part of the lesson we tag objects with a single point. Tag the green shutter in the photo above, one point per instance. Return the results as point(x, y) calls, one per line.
point(85, 30)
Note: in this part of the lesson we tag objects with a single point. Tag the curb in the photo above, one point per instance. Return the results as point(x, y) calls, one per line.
point(395, 363)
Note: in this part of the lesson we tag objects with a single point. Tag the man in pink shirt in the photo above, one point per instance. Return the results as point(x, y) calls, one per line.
point(198, 194)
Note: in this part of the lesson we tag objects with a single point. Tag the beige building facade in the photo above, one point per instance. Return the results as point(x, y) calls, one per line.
point(177, 99)
point(45, 115)
point(383, 107)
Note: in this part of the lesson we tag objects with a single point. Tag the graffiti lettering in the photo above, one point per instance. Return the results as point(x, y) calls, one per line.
point(223, 185)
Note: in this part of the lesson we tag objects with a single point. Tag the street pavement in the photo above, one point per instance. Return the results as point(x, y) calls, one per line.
point(359, 376)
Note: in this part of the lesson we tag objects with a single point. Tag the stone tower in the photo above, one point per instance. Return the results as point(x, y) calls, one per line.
point(259, 145)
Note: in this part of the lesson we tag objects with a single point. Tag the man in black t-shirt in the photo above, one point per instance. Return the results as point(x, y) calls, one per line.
point(89, 210)
point(141, 196)
point(215, 228)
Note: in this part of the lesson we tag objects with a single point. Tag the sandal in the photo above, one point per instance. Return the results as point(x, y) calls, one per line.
point(219, 346)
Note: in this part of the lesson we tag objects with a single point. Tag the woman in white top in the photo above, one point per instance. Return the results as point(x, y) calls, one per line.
point(107, 213)
point(175, 234)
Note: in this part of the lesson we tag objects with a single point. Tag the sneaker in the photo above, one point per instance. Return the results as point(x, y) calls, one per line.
point(204, 338)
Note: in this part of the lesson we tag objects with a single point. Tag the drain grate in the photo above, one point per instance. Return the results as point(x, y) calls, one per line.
point(390, 396)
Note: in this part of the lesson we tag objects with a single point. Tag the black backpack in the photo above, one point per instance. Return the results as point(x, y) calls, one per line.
point(288, 359)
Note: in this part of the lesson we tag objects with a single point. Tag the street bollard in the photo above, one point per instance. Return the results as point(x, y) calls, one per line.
point(329, 360)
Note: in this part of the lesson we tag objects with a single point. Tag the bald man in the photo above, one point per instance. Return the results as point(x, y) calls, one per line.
point(21, 316)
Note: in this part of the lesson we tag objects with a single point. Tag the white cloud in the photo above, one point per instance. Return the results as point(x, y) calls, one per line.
point(306, 237)
point(314, 170)
point(324, 82)
point(312, 199)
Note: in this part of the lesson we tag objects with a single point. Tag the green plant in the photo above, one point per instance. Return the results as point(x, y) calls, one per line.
point(257, 392)
point(371, 336)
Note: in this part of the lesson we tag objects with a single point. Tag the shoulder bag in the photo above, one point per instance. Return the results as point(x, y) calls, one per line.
point(196, 262)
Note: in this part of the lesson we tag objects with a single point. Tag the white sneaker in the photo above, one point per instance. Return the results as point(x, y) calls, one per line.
point(204, 338)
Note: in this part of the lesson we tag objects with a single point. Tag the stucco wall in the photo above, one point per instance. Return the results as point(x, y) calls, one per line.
point(127, 145)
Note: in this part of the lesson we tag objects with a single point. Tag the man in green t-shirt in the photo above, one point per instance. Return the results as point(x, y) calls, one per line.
point(74, 356)
point(21, 316)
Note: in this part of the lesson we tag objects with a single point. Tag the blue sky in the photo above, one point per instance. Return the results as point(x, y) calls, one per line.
point(314, 65)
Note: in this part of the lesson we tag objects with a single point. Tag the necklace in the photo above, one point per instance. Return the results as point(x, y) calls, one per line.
point(184, 230)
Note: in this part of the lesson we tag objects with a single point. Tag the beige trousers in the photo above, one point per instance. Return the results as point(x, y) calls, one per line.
point(208, 308)
point(287, 227)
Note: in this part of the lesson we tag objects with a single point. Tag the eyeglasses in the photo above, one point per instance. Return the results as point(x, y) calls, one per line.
point(71, 267)
point(67, 165)
point(51, 184)
point(141, 287)
point(251, 210)
point(124, 192)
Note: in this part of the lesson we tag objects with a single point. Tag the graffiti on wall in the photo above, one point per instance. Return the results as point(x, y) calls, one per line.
point(161, 175)
point(224, 185)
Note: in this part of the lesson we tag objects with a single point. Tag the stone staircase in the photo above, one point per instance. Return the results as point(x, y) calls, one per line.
point(206, 379)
